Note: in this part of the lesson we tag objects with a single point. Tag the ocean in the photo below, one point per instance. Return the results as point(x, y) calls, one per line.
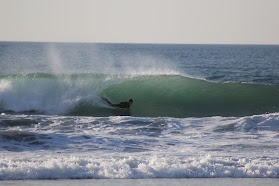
point(200, 111)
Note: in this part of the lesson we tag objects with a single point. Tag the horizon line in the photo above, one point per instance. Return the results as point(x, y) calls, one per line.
point(144, 43)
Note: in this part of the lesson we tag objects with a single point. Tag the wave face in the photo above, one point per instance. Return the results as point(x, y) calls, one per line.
point(180, 96)
point(160, 95)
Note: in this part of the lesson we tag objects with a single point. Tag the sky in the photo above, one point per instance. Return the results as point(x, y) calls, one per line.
point(141, 21)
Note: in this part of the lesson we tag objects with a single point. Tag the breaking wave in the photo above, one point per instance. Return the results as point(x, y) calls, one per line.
point(154, 95)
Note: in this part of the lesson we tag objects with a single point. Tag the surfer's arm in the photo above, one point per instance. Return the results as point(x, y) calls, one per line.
point(106, 100)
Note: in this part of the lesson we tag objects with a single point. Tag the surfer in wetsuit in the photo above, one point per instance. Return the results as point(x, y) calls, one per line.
point(125, 105)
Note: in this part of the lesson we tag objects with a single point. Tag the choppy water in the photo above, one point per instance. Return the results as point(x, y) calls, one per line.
point(199, 111)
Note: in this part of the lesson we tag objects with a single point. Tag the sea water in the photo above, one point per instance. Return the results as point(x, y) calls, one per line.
point(200, 111)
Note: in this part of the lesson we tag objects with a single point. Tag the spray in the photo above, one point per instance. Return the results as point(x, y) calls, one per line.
point(55, 62)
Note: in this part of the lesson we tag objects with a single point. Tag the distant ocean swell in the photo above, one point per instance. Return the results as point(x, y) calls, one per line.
point(159, 95)
point(72, 167)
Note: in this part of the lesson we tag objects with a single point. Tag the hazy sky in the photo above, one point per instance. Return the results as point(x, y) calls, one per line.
point(141, 21)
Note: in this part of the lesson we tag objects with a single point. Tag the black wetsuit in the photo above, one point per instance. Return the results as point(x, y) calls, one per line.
point(125, 105)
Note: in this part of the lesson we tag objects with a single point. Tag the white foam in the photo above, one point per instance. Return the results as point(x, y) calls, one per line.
point(74, 167)
point(50, 95)
point(62, 147)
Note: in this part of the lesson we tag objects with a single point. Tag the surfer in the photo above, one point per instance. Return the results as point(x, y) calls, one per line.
point(125, 105)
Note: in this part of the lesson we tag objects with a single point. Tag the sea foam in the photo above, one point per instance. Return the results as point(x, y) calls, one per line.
point(73, 167)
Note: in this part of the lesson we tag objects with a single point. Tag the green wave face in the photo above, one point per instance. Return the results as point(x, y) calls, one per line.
point(178, 96)
point(160, 95)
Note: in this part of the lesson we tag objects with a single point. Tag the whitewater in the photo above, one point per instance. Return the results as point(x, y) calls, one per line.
point(200, 111)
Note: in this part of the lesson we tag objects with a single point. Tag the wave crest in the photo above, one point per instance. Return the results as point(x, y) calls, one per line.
point(160, 95)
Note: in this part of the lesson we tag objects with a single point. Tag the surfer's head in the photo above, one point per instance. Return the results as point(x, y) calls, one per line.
point(131, 101)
